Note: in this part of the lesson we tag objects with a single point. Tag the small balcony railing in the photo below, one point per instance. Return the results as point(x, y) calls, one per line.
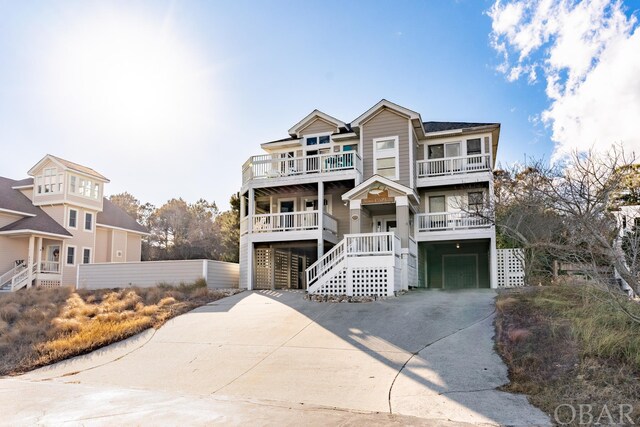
point(454, 165)
point(291, 221)
point(49, 267)
point(441, 221)
point(271, 166)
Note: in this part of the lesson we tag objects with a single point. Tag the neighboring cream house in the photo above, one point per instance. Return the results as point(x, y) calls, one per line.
point(57, 219)
point(374, 206)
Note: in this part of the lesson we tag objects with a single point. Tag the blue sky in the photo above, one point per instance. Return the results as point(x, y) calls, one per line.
point(204, 83)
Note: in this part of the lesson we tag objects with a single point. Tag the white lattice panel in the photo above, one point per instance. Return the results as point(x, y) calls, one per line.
point(49, 283)
point(370, 281)
point(337, 285)
point(510, 268)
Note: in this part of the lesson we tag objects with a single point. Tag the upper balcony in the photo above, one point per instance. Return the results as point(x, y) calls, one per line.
point(454, 170)
point(453, 225)
point(290, 226)
point(272, 169)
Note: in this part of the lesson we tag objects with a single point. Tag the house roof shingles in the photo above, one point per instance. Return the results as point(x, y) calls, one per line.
point(36, 219)
point(79, 168)
point(430, 127)
point(113, 216)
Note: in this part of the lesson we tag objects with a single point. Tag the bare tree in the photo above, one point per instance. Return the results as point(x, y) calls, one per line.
point(565, 212)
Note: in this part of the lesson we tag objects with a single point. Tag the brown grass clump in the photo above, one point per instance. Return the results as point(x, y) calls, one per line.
point(42, 326)
point(570, 345)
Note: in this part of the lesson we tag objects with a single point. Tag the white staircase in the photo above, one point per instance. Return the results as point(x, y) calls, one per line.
point(17, 278)
point(360, 265)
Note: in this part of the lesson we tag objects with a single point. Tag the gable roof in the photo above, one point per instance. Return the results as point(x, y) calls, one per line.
point(313, 115)
point(113, 216)
point(67, 165)
point(34, 219)
point(364, 186)
point(383, 103)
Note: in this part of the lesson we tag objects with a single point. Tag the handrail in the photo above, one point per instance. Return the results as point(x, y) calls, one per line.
point(49, 267)
point(6, 277)
point(22, 277)
point(285, 221)
point(325, 263)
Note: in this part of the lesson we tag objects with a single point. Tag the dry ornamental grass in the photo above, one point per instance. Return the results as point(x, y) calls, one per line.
point(43, 326)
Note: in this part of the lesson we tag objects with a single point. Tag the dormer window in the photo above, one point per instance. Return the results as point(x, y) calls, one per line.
point(318, 140)
point(84, 187)
point(49, 182)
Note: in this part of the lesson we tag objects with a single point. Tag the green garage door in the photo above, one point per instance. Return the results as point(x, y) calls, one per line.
point(460, 271)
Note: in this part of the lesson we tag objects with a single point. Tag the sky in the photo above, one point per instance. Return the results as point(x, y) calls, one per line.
point(169, 98)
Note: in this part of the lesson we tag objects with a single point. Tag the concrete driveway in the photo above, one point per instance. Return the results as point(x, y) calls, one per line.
point(274, 357)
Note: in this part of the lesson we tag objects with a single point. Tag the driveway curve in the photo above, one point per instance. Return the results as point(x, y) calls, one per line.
point(426, 354)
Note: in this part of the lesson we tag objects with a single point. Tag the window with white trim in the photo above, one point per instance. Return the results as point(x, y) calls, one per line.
point(476, 201)
point(317, 140)
point(49, 182)
point(385, 157)
point(84, 187)
point(71, 255)
point(73, 218)
point(86, 256)
point(88, 221)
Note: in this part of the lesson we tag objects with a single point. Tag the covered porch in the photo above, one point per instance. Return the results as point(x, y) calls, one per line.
point(37, 264)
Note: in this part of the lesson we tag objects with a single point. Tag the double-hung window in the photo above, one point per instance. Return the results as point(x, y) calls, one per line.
point(88, 221)
point(73, 218)
point(476, 201)
point(385, 157)
point(71, 255)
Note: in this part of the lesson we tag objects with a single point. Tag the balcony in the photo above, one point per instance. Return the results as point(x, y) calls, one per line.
point(272, 168)
point(442, 224)
point(290, 225)
point(453, 170)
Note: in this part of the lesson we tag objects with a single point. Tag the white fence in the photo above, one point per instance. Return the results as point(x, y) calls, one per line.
point(510, 268)
point(217, 274)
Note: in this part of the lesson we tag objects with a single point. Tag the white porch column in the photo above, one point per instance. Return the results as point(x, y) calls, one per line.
point(252, 209)
point(355, 215)
point(321, 219)
point(493, 259)
point(251, 267)
point(39, 253)
point(243, 208)
point(30, 259)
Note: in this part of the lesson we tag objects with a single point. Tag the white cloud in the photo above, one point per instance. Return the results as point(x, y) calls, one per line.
point(588, 55)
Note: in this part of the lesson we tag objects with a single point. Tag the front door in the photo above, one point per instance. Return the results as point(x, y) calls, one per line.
point(53, 258)
point(437, 204)
point(460, 271)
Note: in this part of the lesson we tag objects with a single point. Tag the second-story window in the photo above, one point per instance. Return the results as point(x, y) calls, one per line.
point(73, 218)
point(88, 221)
point(49, 182)
point(318, 140)
point(476, 201)
point(474, 147)
point(385, 157)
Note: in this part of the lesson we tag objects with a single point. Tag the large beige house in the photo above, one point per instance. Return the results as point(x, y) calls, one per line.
point(371, 207)
point(57, 219)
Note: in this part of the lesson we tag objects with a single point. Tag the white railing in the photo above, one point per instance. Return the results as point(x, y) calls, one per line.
point(292, 221)
point(273, 166)
point(288, 221)
point(454, 165)
point(370, 244)
point(353, 245)
point(451, 221)
point(325, 264)
point(49, 267)
point(21, 279)
point(6, 278)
